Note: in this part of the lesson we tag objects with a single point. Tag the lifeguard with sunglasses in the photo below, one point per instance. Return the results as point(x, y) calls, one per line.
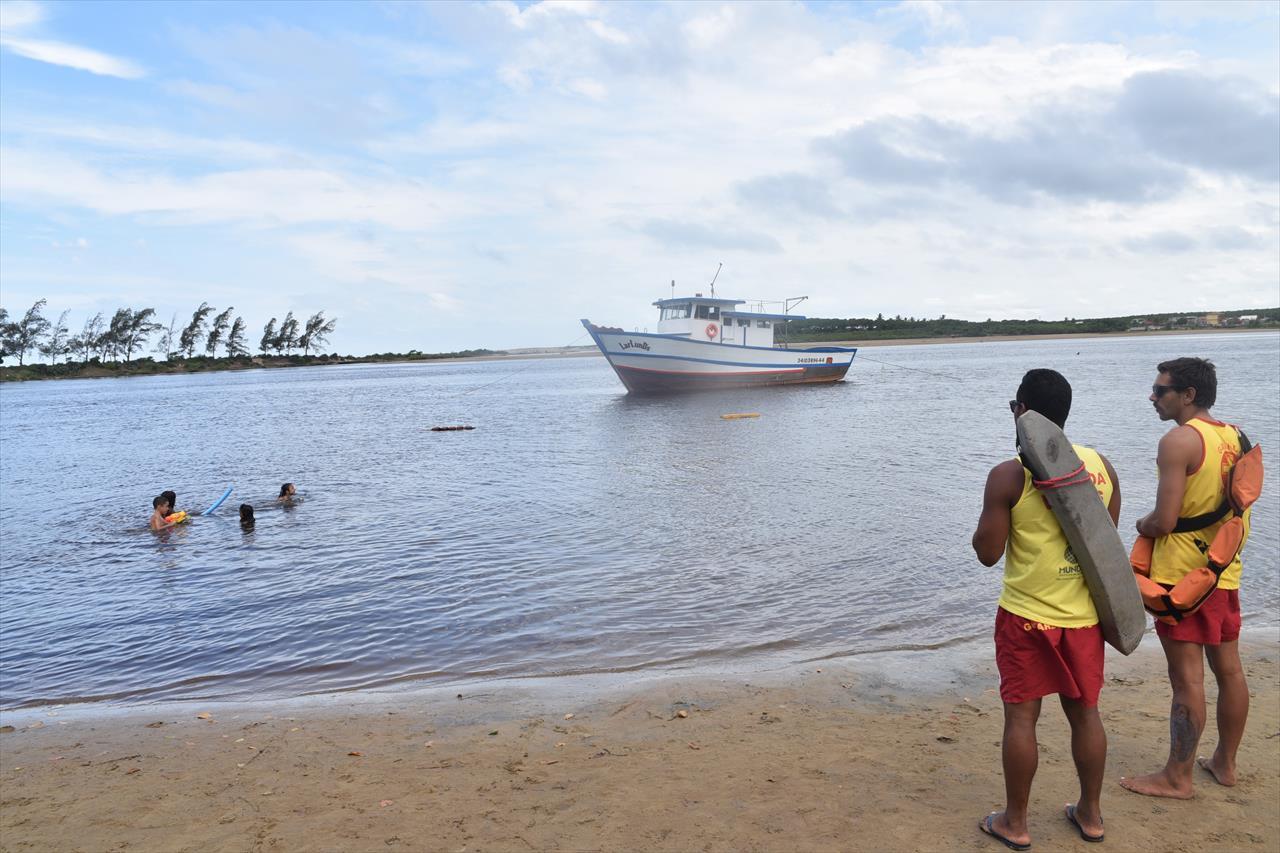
point(1190, 545)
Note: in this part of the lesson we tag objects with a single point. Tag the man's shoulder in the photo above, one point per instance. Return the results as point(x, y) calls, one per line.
point(1007, 476)
point(1183, 437)
point(1007, 468)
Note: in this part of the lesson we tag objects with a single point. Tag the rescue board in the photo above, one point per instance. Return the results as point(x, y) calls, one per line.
point(1087, 525)
point(219, 501)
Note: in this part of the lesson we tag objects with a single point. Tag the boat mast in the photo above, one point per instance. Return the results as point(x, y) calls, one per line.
point(713, 281)
point(787, 304)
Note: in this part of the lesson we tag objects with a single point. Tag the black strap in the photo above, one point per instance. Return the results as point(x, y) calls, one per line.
point(1170, 610)
point(1192, 523)
point(1200, 522)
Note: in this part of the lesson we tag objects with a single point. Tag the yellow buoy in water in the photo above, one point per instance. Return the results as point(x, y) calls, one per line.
point(737, 416)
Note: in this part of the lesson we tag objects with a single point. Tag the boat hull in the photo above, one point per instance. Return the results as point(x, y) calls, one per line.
point(657, 364)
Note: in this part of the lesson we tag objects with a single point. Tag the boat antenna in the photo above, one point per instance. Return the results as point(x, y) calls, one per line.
point(713, 281)
point(673, 288)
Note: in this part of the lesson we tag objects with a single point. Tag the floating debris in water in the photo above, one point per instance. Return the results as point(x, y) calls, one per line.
point(737, 416)
point(450, 428)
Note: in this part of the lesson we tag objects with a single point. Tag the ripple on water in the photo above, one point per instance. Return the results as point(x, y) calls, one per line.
point(576, 530)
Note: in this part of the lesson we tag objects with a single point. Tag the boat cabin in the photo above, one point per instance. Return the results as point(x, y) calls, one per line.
point(703, 318)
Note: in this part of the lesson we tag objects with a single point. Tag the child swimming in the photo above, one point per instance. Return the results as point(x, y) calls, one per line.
point(160, 507)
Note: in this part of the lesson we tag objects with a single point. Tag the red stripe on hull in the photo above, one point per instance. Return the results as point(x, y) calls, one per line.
point(641, 381)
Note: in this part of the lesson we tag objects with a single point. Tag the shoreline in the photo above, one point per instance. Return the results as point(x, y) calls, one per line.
point(593, 352)
point(852, 752)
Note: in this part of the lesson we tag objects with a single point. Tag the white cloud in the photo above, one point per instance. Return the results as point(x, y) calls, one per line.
point(939, 17)
point(496, 160)
point(593, 89)
point(18, 16)
point(608, 33)
point(259, 197)
point(712, 28)
point(72, 56)
point(535, 12)
point(133, 140)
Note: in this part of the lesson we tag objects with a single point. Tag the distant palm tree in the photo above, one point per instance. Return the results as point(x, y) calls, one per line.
point(316, 333)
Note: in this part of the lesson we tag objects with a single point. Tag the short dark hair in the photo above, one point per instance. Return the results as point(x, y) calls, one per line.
point(160, 499)
point(1197, 373)
point(1047, 392)
point(171, 496)
point(284, 490)
point(246, 512)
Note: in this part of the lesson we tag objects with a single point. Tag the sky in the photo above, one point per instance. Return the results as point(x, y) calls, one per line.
point(443, 176)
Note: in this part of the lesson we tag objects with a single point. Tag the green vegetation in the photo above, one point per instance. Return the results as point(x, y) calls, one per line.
point(96, 368)
point(107, 348)
point(130, 330)
point(891, 328)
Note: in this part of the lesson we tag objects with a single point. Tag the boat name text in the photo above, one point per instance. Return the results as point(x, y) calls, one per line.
point(644, 345)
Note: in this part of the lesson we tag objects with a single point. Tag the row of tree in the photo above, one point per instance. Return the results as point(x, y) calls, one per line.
point(837, 328)
point(128, 332)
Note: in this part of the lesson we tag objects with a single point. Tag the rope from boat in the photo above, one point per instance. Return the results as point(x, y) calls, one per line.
point(532, 363)
point(861, 357)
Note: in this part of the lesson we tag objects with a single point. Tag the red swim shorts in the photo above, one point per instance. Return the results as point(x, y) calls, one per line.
point(1216, 622)
point(1035, 660)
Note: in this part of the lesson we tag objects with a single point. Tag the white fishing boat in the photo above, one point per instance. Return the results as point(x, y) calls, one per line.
point(705, 343)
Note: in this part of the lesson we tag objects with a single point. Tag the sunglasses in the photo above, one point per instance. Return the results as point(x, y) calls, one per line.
point(1013, 406)
point(1161, 390)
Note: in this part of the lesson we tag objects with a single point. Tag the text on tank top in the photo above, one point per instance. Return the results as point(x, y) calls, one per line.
point(1042, 578)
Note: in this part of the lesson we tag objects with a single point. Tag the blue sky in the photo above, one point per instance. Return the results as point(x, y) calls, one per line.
point(443, 176)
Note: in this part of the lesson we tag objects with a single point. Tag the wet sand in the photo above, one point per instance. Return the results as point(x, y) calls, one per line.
point(882, 752)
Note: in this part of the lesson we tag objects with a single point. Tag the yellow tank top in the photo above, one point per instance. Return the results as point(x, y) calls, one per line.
point(1042, 580)
point(1179, 553)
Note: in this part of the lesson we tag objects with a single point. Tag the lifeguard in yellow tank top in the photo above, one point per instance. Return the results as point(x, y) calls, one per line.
point(1042, 580)
point(1192, 459)
point(1178, 553)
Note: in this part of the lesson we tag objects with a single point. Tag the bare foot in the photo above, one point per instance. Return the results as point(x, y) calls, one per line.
point(1157, 785)
point(1223, 775)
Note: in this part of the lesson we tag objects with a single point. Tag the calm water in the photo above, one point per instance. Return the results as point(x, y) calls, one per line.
point(575, 530)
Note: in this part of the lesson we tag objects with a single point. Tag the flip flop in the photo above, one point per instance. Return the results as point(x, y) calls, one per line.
point(1071, 816)
point(985, 826)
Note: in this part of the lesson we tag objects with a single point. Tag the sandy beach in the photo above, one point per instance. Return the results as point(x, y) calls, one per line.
point(886, 752)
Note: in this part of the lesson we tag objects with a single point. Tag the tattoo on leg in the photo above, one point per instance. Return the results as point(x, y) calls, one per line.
point(1183, 736)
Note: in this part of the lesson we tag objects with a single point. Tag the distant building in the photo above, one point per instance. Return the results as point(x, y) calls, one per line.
point(1213, 319)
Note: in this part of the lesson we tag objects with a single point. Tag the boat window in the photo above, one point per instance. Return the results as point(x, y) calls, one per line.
point(703, 312)
point(675, 312)
point(764, 324)
point(743, 321)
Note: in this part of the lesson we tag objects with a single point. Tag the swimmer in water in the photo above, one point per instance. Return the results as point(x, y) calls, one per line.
point(172, 496)
point(160, 507)
point(246, 516)
point(287, 493)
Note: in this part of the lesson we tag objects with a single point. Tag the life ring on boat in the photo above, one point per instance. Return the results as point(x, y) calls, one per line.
point(712, 330)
